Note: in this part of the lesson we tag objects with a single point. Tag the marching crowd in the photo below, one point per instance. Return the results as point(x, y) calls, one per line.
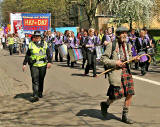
point(90, 43)
point(110, 48)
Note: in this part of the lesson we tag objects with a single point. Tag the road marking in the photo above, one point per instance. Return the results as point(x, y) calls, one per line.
point(147, 80)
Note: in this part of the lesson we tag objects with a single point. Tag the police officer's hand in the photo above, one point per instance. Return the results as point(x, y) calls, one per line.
point(119, 63)
point(49, 65)
point(24, 68)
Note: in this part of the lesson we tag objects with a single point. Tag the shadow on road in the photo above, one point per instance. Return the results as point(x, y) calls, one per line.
point(18, 55)
point(76, 66)
point(6, 55)
point(62, 65)
point(153, 71)
point(26, 96)
point(135, 73)
point(81, 75)
point(94, 113)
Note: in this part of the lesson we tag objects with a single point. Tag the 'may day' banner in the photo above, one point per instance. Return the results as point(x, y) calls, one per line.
point(36, 21)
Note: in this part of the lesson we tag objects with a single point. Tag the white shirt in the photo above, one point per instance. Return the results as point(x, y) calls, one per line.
point(27, 41)
point(3, 39)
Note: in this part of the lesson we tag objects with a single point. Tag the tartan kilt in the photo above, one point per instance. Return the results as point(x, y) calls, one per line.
point(127, 86)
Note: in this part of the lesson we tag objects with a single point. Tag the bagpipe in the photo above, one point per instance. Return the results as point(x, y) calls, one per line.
point(129, 61)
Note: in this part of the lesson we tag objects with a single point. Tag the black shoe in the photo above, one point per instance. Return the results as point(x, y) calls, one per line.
point(34, 99)
point(72, 64)
point(40, 95)
point(95, 75)
point(126, 120)
point(125, 116)
point(146, 68)
point(85, 74)
point(104, 108)
point(143, 72)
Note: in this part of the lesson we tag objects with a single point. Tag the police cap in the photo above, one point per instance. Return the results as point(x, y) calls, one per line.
point(37, 33)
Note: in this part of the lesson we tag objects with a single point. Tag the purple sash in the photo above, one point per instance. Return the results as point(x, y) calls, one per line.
point(134, 53)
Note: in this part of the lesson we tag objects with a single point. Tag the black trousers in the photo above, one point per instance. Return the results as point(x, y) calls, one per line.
point(84, 61)
point(4, 45)
point(11, 49)
point(57, 53)
point(38, 75)
point(84, 52)
point(91, 62)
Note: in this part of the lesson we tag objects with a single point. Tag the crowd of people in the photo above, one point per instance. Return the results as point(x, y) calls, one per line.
point(87, 41)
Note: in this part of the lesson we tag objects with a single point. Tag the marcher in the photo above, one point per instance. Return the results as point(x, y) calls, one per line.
point(142, 44)
point(3, 41)
point(38, 58)
point(90, 43)
point(80, 34)
point(10, 41)
point(58, 41)
point(121, 81)
point(72, 42)
point(132, 40)
point(26, 42)
point(109, 37)
point(84, 50)
point(100, 35)
point(17, 41)
point(50, 39)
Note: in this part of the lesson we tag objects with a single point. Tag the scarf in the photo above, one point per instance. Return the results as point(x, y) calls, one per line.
point(123, 52)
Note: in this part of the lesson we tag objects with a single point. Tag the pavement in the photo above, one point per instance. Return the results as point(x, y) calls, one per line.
point(70, 99)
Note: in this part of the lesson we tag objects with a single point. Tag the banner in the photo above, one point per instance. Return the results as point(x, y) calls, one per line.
point(36, 21)
point(16, 22)
point(63, 29)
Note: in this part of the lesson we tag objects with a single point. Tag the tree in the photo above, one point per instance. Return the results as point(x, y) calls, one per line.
point(128, 11)
point(58, 8)
point(124, 11)
point(90, 7)
point(7, 6)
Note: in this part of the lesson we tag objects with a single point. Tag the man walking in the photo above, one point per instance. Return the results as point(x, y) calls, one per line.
point(120, 79)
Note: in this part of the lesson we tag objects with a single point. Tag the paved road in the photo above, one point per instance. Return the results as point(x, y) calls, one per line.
point(71, 100)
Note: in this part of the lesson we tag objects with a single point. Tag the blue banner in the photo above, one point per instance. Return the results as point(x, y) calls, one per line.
point(63, 29)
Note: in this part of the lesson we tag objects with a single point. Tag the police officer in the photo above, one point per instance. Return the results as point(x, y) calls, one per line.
point(39, 59)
